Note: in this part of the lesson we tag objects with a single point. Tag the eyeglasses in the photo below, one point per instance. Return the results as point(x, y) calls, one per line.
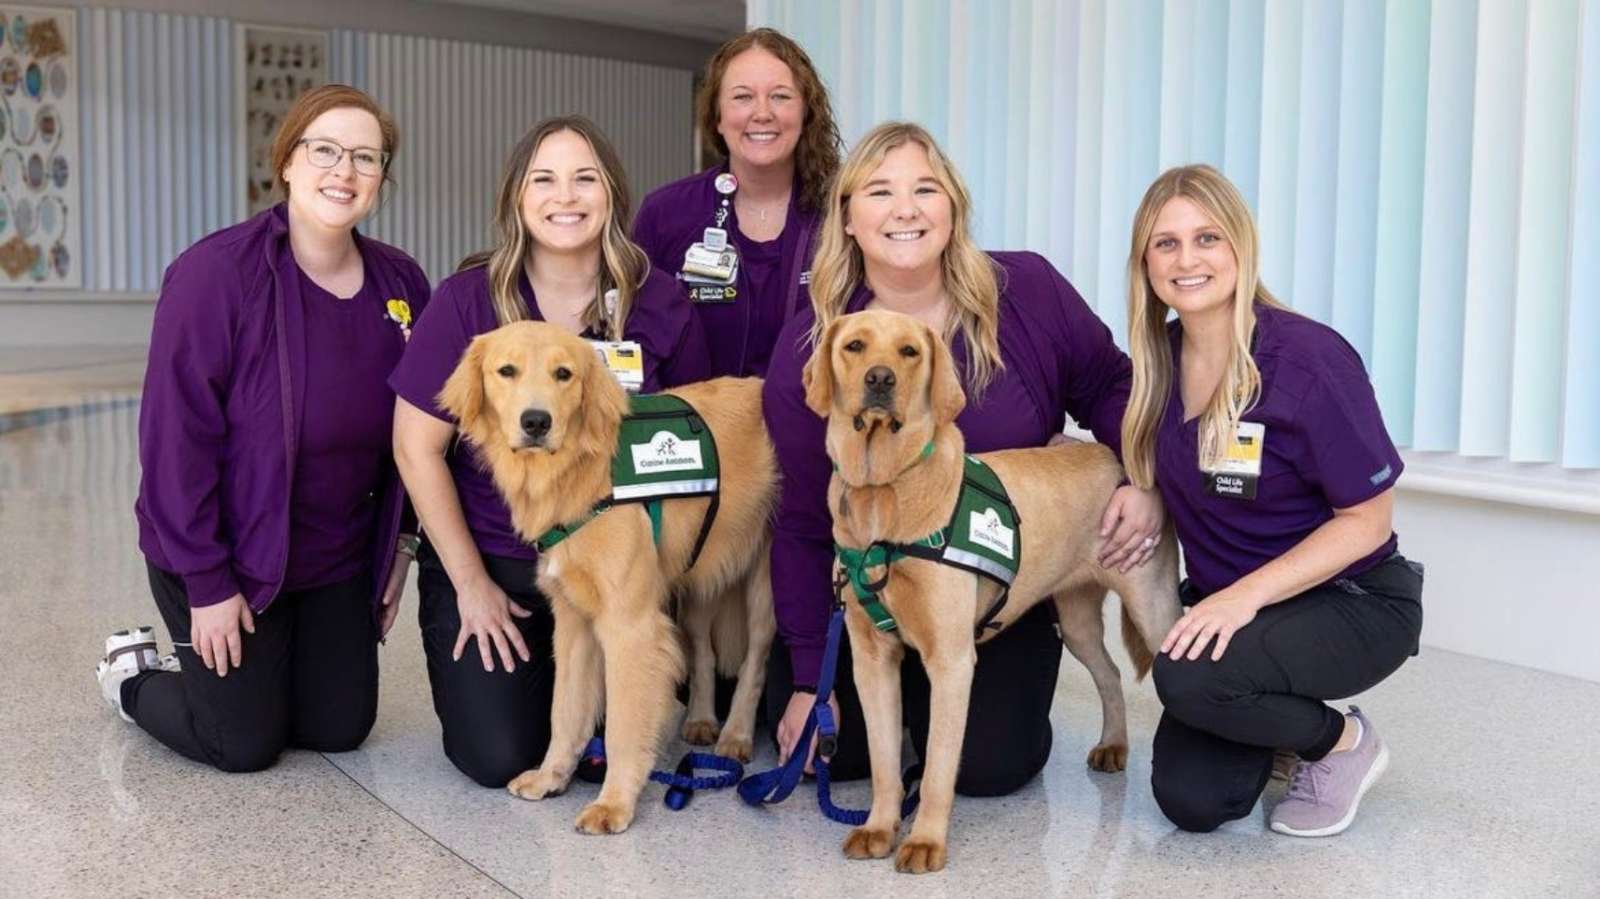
point(325, 154)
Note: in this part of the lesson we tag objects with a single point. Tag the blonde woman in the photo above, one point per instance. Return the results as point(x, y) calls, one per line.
point(896, 236)
point(1262, 432)
point(563, 256)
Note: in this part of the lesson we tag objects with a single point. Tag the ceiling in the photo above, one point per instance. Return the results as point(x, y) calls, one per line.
point(708, 20)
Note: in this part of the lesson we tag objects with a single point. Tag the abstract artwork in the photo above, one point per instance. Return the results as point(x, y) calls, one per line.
point(39, 166)
point(278, 65)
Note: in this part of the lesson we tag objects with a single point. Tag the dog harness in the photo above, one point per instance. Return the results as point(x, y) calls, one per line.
point(983, 536)
point(664, 451)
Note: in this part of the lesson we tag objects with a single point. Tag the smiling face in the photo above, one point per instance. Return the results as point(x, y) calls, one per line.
point(1190, 263)
point(565, 204)
point(335, 198)
point(900, 216)
point(760, 110)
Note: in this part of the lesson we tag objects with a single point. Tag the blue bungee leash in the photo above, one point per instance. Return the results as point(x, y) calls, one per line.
point(772, 787)
point(682, 782)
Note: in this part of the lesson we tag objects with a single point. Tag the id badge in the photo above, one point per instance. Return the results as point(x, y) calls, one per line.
point(1236, 474)
point(720, 264)
point(624, 359)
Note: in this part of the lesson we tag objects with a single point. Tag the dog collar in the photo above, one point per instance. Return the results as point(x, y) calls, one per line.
point(927, 450)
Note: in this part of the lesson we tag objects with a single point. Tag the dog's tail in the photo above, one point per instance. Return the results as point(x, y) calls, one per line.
point(1138, 648)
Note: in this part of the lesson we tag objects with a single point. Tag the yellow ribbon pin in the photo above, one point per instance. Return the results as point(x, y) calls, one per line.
point(400, 311)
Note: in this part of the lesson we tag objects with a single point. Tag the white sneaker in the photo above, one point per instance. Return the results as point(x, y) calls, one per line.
point(127, 654)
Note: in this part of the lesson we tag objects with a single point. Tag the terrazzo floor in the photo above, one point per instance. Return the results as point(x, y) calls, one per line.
point(1492, 790)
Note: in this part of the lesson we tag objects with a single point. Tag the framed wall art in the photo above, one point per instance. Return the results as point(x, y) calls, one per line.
point(40, 221)
point(276, 65)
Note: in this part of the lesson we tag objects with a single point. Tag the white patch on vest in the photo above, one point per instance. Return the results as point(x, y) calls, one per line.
point(987, 531)
point(666, 452)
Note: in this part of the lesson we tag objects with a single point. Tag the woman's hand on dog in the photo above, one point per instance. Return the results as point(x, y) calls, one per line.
point(1130, 529)
point(214, 633)
point(1219, 615)
point(794, 721)
point(486, 612)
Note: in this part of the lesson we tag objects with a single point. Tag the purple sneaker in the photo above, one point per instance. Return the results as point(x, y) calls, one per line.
point(1324, 794)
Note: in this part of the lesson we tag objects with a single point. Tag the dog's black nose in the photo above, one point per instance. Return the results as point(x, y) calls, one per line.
point(535, 422)
point(880, 379)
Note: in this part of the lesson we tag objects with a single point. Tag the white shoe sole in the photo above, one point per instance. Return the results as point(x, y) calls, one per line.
point(1379, 765)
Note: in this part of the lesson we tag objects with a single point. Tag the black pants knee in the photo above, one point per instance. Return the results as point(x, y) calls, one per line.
point(496, 723)
point(1008, 735)
point(1224, 719)
point(308, 679)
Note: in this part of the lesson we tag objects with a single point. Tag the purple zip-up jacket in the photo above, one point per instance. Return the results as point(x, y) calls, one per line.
point(740, 333)
point(219, 419)
point(1059, 360)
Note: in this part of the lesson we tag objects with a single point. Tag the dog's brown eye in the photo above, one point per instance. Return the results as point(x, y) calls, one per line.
point(563, 374)
point(506, 371)
point(854, 346)
point(908, 351)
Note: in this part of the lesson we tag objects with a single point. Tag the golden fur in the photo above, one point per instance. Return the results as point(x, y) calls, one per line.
point(616, 650)
point(884, 489)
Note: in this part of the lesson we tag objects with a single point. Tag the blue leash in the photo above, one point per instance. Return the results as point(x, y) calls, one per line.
point(771, 787)
point(682, 782)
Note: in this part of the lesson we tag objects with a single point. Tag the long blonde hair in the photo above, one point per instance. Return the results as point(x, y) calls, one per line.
point(1240, 387)
point(623, 266)
point(969, 274)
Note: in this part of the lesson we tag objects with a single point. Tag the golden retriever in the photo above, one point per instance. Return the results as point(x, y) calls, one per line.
point(888, 386)
point(545, 412)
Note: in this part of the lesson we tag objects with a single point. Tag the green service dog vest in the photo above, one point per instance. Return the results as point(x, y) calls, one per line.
point(664, 451)
point(984, 537)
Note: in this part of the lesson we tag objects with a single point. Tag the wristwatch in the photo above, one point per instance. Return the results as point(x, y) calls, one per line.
point(407, 545)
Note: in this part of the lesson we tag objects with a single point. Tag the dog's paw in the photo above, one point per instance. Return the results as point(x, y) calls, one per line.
point(536, 784)
point(700, 733)
point(1108, 757)
point(741, 749)
point(603, 818)
point(919, 856)
point(868, 842)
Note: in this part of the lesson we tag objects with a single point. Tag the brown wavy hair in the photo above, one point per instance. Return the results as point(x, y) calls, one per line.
point(816, 156)
point(623, 266)
point(315, 102)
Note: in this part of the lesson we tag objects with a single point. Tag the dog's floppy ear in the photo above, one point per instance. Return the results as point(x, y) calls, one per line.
point(945, 397)
point(817, 377)
point(600, 414)
point(462, 395)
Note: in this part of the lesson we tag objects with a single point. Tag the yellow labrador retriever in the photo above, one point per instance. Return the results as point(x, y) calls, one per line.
point(546, 414)
point(890, 391)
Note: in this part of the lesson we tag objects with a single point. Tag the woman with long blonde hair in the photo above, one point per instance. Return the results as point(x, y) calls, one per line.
point(561, 255)
point(897, 236)
point(1263, 434)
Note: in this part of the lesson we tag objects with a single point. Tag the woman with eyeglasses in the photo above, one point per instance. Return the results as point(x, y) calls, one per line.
point(561, 255)
point(270, 515)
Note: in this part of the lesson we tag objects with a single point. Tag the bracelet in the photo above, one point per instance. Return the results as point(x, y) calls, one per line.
point(407, 545)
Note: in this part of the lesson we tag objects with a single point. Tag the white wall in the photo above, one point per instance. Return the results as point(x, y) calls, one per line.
point(1508, 582)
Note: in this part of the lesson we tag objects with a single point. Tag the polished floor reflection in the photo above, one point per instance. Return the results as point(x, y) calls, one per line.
point(1490, 794)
